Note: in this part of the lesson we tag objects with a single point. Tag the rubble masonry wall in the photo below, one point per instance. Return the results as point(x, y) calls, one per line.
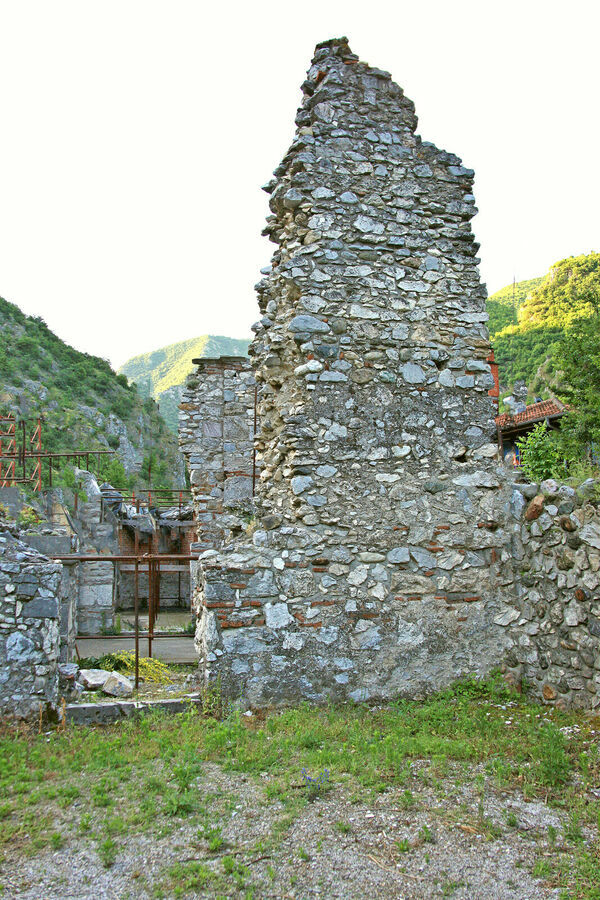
point(374, 569)
point(552, 585)
point(31, 605)
point(391, 553)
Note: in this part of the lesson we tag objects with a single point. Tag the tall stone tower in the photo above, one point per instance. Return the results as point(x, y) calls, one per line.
point(373, 566)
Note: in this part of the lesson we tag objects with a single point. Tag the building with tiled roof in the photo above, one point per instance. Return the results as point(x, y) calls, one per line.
point(512, 426)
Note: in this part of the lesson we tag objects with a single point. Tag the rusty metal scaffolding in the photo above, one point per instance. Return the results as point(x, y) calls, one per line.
point(21, 448)
point(154, 498)
point(147, 562)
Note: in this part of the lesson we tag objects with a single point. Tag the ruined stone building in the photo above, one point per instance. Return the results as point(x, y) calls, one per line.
point(359, 537)
point(388, 552)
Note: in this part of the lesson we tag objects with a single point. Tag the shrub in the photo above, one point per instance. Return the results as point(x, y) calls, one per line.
point(539, 453)
point(28, 517)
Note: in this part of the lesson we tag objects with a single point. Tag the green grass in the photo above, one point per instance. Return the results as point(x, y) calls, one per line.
point(147, 775)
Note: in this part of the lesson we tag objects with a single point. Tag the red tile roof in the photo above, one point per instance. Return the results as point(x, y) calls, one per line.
point(536, 412)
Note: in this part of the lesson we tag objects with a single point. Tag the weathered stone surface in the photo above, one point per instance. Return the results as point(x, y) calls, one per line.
point(117, 685)
point(216, 431)
point(553, 586)
point(30, 596)
point(41, 608)
point(388, 552)
point(371, 361)
point(535, 508)
point(590, 535)
point(93, 679)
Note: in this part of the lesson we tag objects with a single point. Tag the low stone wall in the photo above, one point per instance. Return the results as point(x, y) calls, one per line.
point(30, 610)
point(554, 593)
point(281, 625)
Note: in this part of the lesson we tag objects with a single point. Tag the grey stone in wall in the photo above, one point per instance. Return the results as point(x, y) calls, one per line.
point(96, 596)
point(391, 553)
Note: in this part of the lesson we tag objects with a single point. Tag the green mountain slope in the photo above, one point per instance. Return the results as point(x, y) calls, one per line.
point(503, 306)
point(161, 373)
point(524, 348)
point(83, 402)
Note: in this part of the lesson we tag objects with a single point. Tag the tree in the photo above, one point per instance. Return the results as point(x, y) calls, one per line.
point(578, 356)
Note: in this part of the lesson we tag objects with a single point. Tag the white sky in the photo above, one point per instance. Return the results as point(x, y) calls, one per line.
point(135, 135)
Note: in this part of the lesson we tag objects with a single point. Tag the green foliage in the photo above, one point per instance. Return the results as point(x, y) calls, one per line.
point(578, 355)
point(150, 669)
point(503, 306)
point(155, 472)
point(50, 379)
point(520, 354)
point(157, 372)
point(111, 469)
point(539, 453)
point(107, 851)
point(28, 518)
point(546, 307)
point(564, 294)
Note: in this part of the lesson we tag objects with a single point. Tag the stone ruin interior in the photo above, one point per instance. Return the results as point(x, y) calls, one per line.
point(357, 533)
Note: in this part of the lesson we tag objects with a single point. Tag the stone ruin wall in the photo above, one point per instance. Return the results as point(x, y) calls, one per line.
point(374, 569)
point(391, 552)
point(33, 609)
point(552, 584)
point(216, 436)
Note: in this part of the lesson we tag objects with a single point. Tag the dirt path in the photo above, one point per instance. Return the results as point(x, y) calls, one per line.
point(451, 837)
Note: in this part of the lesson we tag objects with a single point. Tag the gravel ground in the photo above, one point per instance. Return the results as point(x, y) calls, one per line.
point(450, 836)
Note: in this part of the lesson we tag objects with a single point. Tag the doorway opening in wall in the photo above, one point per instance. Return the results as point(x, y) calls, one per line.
point(144, 629)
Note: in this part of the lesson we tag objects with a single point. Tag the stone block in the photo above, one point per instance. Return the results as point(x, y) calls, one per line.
point(41, 608)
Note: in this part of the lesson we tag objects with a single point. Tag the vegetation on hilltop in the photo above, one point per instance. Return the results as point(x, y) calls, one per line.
point(554, 347)
point(162, 373)
point(503, 306)
point(83, 402)
point(526, 349)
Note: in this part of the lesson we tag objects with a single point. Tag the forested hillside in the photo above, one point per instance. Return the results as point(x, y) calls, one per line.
point(526, 349)
point(503, 306)
point(83, 402)
point(161, 373)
